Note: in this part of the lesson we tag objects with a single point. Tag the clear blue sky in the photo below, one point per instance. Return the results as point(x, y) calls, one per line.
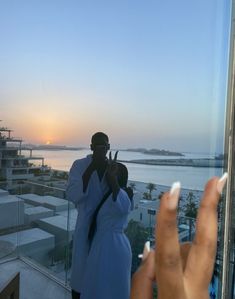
point(149, 73)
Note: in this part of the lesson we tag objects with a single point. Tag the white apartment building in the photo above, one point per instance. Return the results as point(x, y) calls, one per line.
point(13, 165)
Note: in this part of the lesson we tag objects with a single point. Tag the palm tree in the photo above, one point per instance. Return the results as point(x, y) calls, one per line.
point(190, 208)
point(146, 196)
point(190, 211)
point(160, 195)
point(64, 175)
point(55, 173)
point(132, 185)
point(138, 235)
point(150, 187)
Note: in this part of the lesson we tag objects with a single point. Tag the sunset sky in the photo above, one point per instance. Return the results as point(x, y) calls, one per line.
point(148, 73)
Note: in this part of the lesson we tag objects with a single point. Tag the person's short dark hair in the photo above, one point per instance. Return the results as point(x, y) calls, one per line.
point(99, 136)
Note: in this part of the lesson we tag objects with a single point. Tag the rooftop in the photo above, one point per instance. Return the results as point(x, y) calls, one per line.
point(39, 283)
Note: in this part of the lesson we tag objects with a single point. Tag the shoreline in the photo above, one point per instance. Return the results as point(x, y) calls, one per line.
point(199, 163)
point(142, 184)
point(141, 187)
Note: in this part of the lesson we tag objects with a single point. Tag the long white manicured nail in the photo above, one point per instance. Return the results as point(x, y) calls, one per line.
point(145, 252)
point(221, 182)
point(174, 196)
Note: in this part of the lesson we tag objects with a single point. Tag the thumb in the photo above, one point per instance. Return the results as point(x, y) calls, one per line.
point(143, 278)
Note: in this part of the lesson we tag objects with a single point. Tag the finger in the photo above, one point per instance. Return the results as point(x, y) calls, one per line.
point(184, 252)
point(168, 261)
point(146, 251)
point(201, 258)
point(115, 157)
point(143, 278)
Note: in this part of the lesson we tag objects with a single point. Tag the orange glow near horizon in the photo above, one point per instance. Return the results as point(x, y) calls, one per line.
point(60, 122)
point(57, 133)
point(62, 126)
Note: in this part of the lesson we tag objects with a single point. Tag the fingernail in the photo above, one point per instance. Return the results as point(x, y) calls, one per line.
point(174, 195)
point(145, 252)
point(221, 182)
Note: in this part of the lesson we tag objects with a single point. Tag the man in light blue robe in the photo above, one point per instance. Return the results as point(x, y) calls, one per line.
point(86, 187)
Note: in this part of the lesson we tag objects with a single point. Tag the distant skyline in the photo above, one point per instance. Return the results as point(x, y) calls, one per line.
point(150, 74)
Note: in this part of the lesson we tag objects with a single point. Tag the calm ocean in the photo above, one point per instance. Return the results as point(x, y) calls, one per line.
point(190, 177)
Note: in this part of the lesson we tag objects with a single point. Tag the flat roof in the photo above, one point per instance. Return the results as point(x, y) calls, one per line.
point(73, 213)
point(59, 222)
point(54, 200)
point(9, 199)
point(37, 199)
point(37, 210)
point(3, 192)
point(27, 236)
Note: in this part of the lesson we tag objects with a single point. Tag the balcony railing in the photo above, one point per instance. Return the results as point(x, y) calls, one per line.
point(11, 139)
point(7, 148)
point(37, 225)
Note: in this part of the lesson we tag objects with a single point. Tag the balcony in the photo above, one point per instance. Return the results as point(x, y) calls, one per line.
point(20, 157)
point(11, 139)
point(33, 283)
point(23, 176)
point(26, 167)
point(8, 148)
point(37, 238)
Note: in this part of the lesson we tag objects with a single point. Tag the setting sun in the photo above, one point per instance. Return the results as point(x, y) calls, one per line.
point(48, 142)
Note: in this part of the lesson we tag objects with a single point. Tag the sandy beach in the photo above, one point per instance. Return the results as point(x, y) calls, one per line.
point(140, 188)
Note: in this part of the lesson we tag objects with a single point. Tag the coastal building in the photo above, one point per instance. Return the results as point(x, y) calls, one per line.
point(14, 166)
point(145, 211)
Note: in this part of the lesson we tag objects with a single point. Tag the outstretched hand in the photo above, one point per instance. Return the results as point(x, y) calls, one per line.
point(145, 276)
point(181, 272)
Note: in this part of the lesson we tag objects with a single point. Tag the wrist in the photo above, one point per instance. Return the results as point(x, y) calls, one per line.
point(114, 187)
